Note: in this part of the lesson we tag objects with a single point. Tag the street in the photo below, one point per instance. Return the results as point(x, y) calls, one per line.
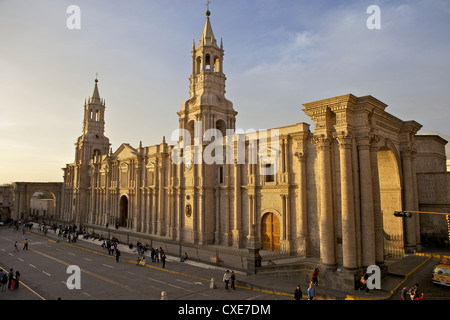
point(44, 273)
point(423, 278)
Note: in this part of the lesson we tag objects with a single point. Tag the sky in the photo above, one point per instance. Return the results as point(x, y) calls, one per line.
point(279, 54)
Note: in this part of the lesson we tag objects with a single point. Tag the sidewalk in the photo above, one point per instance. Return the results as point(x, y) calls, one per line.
point(398, 272)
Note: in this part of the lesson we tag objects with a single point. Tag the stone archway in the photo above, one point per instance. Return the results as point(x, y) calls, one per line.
point(270, 232)
point(23, 191)
point(123, 211)
point(390, 201)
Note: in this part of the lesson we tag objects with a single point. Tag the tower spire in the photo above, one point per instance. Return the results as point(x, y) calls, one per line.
point(95, 95)
point(208, 38)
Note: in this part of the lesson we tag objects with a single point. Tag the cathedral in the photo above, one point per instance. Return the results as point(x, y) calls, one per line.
point(330, 193)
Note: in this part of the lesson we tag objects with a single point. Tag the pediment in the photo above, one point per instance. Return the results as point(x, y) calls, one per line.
point(125, 152)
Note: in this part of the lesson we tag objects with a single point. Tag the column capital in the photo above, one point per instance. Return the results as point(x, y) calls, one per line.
point(406, 153)
point(301, 156)
point(344, 139)
point(322, 142)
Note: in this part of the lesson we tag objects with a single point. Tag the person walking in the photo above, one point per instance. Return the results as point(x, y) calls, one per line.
point(117, 254)
point(16, 247)
point(363, 281)
point(17, 278)
point(108, 246)
point(226, 279)
point(25, 245)
point(298, 293)
point(233, 279)
point(10, 277)
point(4, 281)
point(311, 292)
point(405, 292)
point(315, 276)
point(163, 259)
point(152, 254)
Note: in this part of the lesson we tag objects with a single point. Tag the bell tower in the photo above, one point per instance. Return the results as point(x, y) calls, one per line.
point(207, 107)
point(93, 141)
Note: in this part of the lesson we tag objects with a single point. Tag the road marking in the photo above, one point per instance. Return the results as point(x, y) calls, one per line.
point(106, 265)
point(87, 259)
point(256, 297)
point(172, 285)
point(32, 265)
point(184, 281)
point(73, 254)
point(10, 254)
point(157, 281)
point(23, 284)
point(95, 275)
point(47, 273)
point(20, 259)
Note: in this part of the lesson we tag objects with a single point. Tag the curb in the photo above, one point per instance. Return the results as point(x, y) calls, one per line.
point(395, 290)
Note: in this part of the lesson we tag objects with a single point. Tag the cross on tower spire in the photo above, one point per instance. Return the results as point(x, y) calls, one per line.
point(208, 13)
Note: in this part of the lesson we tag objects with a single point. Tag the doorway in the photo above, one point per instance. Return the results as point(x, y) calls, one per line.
point(123, 211)
point(270, 232)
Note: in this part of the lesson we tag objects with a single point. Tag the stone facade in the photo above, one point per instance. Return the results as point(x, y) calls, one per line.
point(331, 196)
point(6, 202)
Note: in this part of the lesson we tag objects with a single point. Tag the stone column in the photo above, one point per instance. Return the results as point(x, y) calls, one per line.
point(286, 225)
point(302, 208)
point(217, 216)
point(415, 217)
point(378, 215)
point(147, 209)
point(161, 202)
point(367, 216)
point(326, 220)
point(228, 234)
point(347, 204)
point(237, 231)
point(408, 202)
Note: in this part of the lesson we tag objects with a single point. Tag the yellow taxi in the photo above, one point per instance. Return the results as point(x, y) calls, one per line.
point(441, 273)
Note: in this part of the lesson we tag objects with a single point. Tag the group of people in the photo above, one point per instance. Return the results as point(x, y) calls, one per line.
point(413, 293)
point(9, 280)
point(111, 246)
point(229, 279)
point(311, 291)
point(156, 255)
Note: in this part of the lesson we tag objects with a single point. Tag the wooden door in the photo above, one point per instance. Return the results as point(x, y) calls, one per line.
point(270, 232)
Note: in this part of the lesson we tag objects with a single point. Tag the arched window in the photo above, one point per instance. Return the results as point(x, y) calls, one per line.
point(208, 62)
point(221, 126)
point(191, 130)
point(96, 153)
point(198, 65)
